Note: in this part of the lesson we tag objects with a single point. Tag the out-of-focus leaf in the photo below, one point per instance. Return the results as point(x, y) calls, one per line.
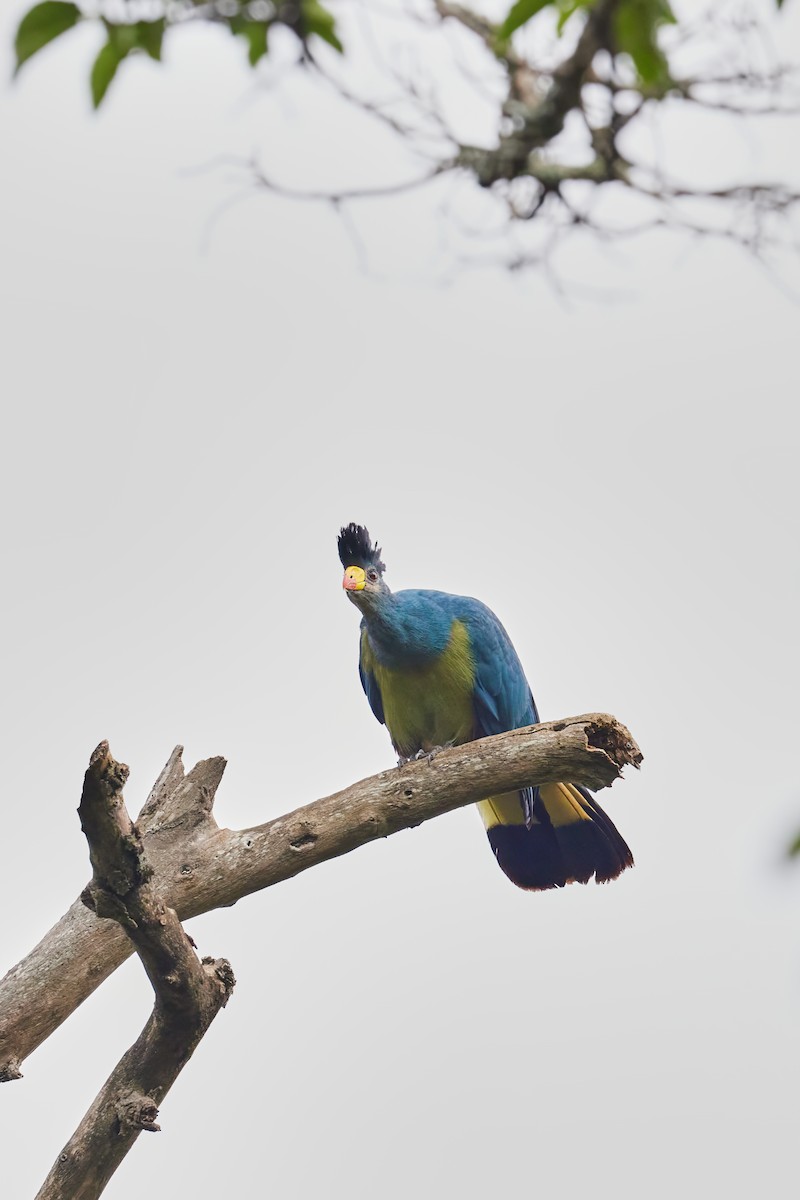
point(124, 39)
point(794, 849)
point(104, 70)
point(257, 37)
point(255, 33)
point(519, 14)
point(566, 9)
point(318, 20)
point(636, 25)
point(41, 24)
point(150, 36)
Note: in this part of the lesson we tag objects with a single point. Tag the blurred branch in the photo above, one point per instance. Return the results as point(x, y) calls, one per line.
point(571, 115)
point(199, 867)
point(188, 993)
point(340, 197)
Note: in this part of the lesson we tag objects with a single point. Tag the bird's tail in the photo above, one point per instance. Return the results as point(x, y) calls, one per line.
point(569, 840)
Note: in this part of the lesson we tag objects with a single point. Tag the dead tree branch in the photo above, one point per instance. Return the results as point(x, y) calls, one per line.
point(189, 993)
point(199, 867)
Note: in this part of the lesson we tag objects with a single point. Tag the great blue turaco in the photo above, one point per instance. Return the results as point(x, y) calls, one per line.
point(439, 670)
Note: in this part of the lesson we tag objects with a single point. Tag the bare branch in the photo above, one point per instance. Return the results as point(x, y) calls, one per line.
point(554, 113)
point(199, 867)
point(339, 197)
point(539, 119)
point(188, 993)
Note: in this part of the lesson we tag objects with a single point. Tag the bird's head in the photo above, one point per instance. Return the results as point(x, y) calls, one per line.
point(363, 569)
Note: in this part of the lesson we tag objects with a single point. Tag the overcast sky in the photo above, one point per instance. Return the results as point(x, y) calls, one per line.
point(195, 402)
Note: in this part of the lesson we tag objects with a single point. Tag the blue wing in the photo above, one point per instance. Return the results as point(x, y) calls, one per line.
point(502, 697)
point(370, 685)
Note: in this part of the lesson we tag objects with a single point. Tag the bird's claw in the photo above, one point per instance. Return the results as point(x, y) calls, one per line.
point(431, 754)
point(424, 755)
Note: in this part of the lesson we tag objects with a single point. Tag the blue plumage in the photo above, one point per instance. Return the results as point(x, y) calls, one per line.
point(440, 669)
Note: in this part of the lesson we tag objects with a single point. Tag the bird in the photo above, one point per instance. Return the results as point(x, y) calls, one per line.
point(440, 670)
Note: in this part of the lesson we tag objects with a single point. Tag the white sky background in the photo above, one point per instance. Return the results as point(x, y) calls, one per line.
point(190, 414)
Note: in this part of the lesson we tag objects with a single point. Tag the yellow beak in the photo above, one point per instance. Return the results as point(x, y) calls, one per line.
point(355, 579)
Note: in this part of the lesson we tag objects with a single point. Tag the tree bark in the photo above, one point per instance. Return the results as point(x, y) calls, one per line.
point(189, 993)
point(199, 867)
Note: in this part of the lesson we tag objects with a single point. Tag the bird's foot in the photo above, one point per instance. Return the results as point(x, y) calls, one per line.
point(431, 754)
point(421, 755)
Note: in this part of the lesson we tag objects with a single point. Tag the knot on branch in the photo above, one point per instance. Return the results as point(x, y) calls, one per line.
point(305, 836)
point(10, 1070)
point(222, 971)
point(135, 1111)
point(104, 902)
point(108, 775)
point(615, 741)
point(115, 844)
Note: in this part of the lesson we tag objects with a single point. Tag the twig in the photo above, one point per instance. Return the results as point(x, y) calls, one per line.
point(346, 194)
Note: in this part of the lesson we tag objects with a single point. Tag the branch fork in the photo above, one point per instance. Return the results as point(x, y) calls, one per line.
point(188, 992)
point(175, 862)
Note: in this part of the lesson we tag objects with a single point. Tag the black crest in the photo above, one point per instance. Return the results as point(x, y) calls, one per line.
point(356, 550)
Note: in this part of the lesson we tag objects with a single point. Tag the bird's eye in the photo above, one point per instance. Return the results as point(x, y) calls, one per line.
point(372, 575)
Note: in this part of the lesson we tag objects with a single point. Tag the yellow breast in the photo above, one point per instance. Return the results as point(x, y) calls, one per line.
point(430, 705)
